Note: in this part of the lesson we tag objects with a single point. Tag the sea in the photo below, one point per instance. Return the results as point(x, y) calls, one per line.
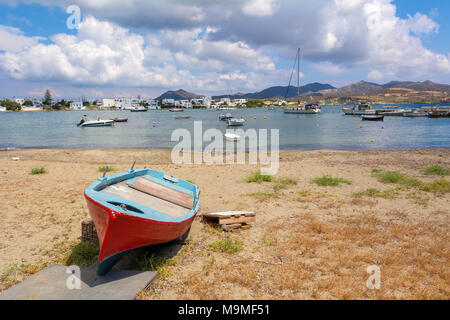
point(154, 129)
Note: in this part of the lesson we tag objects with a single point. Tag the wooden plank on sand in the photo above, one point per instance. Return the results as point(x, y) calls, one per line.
point(233, 220)
point(229, 214)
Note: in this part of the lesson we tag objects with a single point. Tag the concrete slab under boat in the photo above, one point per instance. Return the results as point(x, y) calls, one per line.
point(51, 284)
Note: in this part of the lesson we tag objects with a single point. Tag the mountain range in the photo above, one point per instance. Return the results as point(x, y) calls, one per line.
point(318, 89)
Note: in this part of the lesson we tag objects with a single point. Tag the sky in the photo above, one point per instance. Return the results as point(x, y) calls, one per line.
point(140, 47)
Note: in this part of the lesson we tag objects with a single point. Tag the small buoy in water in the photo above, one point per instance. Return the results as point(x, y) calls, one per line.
point(360, 127)
point(337, 126)
point(382, 127)
point(254, 117)
point(371, 141)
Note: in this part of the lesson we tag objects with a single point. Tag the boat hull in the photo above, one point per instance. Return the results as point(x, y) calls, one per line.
point(302, 111)
point(103, 124)
point(120, 233)
point(372, 118)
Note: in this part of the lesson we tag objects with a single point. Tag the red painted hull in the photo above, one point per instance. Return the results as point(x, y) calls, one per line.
point(118, 232)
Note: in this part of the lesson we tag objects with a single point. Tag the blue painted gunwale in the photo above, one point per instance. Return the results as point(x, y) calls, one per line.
point(93, 191)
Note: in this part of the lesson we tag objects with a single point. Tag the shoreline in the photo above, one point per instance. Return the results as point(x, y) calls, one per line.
point(308, 241)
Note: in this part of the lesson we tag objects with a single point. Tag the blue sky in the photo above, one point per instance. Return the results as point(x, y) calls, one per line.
point(153, 46)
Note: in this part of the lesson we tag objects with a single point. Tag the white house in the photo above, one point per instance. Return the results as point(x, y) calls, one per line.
point(153, 105)
point(126, 103)
point(202, 102)
point(183, 104)
point(240, 101)
point(168, 102)
point(226, 101)
point(108, 103)
point(2, 109)
point(77, 105)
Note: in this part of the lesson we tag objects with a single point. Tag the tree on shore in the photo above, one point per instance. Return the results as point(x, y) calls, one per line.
point(28, 103)
point(47, 98)
point(10, 105)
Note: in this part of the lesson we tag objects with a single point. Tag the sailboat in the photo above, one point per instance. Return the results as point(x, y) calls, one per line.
point(301, 109)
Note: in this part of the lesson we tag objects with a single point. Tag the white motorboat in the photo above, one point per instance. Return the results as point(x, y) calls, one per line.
point(232, 137)
point(415, 114)
point(86, 122)
point(236, 122)
point(225, 117)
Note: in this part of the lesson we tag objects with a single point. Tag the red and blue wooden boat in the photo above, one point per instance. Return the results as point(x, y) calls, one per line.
point(139, 208)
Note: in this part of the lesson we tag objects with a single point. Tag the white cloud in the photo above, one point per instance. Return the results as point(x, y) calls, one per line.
point(192, 43)
point(260, 8)
point(375, 75)
point(13, 39)
point(328, 68)
point(421, 23)
point(118, 57)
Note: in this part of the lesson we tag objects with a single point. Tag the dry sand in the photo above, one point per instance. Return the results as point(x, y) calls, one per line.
point(309, 242)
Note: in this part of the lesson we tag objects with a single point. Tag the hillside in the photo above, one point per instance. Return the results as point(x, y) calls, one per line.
point(280, 92)
point(363, 87)
point(178, 95)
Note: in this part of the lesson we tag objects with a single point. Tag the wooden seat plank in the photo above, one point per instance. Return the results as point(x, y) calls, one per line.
point(162, 192)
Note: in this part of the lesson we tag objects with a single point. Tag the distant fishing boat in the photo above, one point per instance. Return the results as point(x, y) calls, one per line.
point(139, 208)
point(307, 109)
point(120, 119)
point(232, 137)
point(182, 117)
point(395, 112)
point(438, 114)
point(301, 109)
point(139, 109)
point(86, 122)
point(415, 114)
point(372, 117)
point(176, 110)
point(225, 117)
point(358, 109)
point(234, 122)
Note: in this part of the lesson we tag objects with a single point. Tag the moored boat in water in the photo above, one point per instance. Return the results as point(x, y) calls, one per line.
point(176, 110)
point(415, 114)
point(438, 114)
point(120, 119)
point(357, 110)
point(301, 109)
point(232, 137)
point(86, 122)
point(225, 117)
point(234, 122)
point(139, 109)
point(139, 208)
point(372, 117)
point(307, 109)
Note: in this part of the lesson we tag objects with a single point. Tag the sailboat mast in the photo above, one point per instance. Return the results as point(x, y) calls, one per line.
point(298, 75)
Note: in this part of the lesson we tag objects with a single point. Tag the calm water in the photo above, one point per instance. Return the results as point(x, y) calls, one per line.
point(329, 130)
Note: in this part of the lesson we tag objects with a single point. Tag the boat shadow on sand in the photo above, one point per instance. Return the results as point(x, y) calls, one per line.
point(150, 258)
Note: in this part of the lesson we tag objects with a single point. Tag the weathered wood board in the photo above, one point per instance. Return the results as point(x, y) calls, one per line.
point(163, 192)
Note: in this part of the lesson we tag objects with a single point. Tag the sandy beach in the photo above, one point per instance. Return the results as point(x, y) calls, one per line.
point(308, 241)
